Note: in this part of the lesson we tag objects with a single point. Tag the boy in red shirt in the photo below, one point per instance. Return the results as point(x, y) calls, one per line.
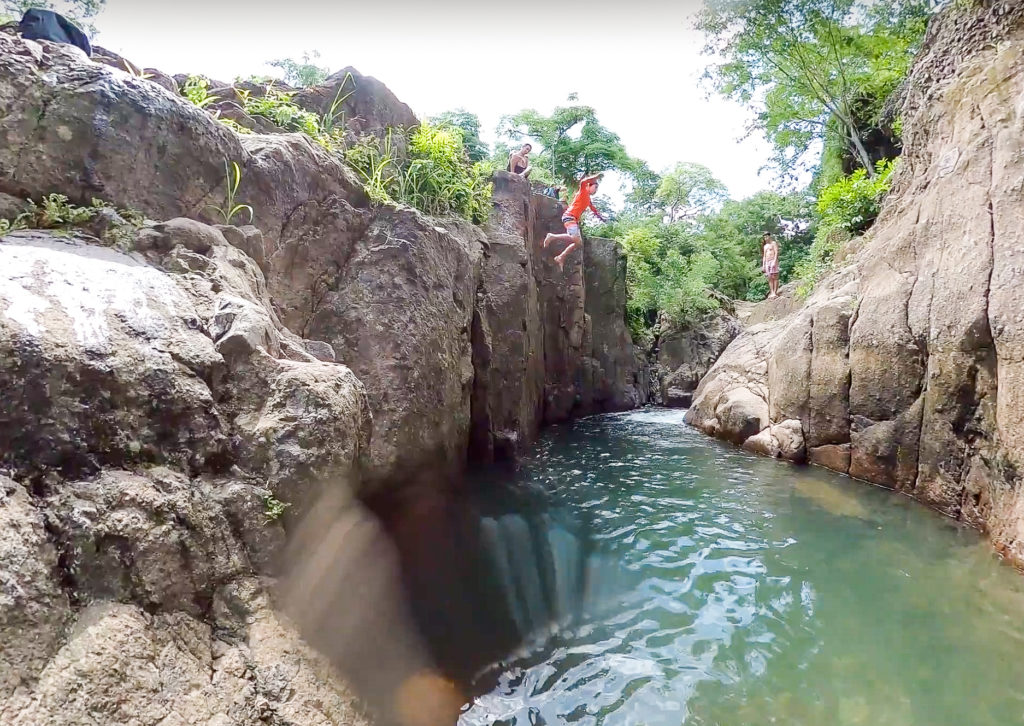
point(571, 219)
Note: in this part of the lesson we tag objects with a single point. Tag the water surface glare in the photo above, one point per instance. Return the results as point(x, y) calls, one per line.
point(756, 592)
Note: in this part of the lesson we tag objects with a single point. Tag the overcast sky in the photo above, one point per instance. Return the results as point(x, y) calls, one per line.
point(637, 62)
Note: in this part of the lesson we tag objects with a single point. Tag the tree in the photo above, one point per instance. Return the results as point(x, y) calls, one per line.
point(573, 142)
point(804, 62)
point(81, 11)
point(469, 123)
point(689, 190)
point(302, 73)
point(737, 227)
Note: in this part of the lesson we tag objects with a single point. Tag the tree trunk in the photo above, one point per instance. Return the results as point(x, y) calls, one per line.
point(865, 158)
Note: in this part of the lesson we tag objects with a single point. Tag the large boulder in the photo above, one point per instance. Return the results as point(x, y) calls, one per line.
point(364, 105)
point(160, 419)
point(394, 295)
point(904, 367)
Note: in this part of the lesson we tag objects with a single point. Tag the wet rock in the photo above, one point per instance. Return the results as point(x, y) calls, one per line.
point(781, 441)
point(831, 456)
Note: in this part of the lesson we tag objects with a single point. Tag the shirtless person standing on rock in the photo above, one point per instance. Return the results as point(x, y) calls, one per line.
point(770, 263)
point(571, 219)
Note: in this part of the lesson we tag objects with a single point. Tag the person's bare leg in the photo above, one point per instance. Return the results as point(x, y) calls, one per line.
point(549, 238)
point(560, 259)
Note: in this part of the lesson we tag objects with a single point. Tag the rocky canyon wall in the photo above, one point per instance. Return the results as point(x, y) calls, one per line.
point(905, 367)
point(169, 393)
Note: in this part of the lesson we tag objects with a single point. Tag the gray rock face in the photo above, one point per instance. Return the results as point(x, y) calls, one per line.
point(613, 379)
point(687, 352)
point(399, 314)
point(562, 311)
point(156, 403)
point(904, 367)
point(508, 343)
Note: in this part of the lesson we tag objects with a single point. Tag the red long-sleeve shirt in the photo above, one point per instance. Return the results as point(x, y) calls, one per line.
point(581, 202)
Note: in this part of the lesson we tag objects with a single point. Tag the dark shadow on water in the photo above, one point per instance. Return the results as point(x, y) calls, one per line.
point(491, 566)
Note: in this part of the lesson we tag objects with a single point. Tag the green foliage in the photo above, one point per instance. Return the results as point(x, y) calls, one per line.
point(233, 125)
point(278, 107)
point(689, 190)
point(469, 124)
point(302, 73)
point(197, 90)
point(571, 143)
point(437, 178)
point(803, 62)
point(375, 161)
point(668, 271)
point(232, 178)
point(56, 212)
point(332, 122)
point(674, 267)
point(736, 231)
point(845, 209)
point(274, 508)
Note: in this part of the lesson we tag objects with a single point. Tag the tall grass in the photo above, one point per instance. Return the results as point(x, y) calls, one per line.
point(436, 178)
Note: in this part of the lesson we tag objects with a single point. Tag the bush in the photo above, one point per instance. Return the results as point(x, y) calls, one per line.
point(440, 180)
point(666, 275)
point(437, 178)
point(845, 209)
point(56, 212)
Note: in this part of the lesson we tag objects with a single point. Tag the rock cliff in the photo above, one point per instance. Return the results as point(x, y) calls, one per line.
point(905, 367)
point(179, 394)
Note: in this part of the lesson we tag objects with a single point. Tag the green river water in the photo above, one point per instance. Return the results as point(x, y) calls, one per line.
point(729, 589)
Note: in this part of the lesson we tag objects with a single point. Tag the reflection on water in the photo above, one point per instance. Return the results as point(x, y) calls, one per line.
point(736, 590)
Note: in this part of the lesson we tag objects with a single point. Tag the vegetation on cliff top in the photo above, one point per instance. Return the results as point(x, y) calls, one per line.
point(815, 74)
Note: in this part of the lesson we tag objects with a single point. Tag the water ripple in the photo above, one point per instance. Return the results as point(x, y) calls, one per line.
point(759, 593)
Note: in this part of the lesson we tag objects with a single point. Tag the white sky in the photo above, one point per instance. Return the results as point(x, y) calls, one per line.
point(637, 62)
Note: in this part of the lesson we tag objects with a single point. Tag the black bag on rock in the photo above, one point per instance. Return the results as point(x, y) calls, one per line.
point(47, 25)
